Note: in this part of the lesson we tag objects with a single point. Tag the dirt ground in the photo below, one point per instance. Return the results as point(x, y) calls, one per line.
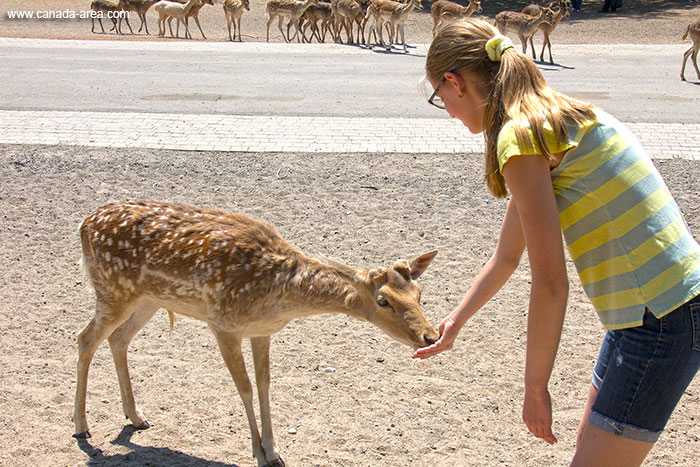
point(343, 394)
point(639, 21)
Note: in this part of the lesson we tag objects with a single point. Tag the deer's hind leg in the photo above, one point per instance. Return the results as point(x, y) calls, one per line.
point(119, 342)
point(108, 317)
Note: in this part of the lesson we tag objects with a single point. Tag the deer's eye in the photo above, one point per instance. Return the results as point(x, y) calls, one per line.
point(381, 301)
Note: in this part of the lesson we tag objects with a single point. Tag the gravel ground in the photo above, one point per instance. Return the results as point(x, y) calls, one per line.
point(376, 406)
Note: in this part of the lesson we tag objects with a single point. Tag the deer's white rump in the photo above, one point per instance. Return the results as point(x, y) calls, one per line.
point(238, 275)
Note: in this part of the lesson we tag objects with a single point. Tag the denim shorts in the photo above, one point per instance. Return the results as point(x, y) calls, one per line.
point(642, 372)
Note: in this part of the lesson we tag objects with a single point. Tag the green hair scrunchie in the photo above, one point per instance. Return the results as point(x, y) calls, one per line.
point(496, 46)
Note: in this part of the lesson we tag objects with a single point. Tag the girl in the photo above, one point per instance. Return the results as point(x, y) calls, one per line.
point(571, 167)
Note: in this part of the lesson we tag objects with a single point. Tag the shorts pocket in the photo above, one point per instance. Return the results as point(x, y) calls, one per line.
point(695, 321)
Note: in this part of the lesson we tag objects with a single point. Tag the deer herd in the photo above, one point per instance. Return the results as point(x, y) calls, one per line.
point(361, 21)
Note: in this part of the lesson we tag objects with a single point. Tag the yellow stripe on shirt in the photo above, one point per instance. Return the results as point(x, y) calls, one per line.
point(604, 194)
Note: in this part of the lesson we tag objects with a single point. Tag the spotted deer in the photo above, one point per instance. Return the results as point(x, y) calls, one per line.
point(524, 24)
point(239, 276)
point(693, 30)
point(233, 9)
point(547, 27)
point(446, 11)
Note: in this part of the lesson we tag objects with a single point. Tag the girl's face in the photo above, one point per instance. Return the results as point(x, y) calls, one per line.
point(462, 98)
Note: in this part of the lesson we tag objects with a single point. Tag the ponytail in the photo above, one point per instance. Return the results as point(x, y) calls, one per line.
point(513, 87)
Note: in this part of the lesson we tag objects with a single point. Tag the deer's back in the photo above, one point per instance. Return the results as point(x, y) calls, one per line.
point(176, 252)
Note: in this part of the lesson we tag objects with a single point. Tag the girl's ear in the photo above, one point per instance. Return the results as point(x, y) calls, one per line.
point(457, 81)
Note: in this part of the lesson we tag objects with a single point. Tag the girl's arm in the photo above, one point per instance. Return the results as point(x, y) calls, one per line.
point(528, 178)
point(493, 275)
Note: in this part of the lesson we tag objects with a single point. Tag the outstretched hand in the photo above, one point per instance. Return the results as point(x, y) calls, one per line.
point(448, 330)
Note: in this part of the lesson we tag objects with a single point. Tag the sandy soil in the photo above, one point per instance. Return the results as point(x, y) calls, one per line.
point(343, 393)
point(639, 21)
point(377, 407)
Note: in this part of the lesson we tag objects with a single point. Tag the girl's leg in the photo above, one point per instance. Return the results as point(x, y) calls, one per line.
point(602, 449)
point(592, 393)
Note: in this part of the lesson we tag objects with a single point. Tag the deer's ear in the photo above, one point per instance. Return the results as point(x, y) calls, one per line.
point(420, 264)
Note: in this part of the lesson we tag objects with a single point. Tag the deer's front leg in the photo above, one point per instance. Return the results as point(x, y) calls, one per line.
point(230, 347)
point(261, 359)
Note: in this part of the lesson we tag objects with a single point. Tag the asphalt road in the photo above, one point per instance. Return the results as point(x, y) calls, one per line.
point(635, 83)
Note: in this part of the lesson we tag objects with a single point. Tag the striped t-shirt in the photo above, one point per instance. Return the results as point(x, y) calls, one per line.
point(630, 244)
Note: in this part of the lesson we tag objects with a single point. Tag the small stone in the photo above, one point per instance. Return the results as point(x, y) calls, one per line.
point(330, 369)
point(292, 431)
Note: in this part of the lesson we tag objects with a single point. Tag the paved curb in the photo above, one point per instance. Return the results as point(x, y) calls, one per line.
point(237, 133)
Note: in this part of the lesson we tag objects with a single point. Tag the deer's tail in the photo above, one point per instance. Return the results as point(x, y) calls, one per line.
point(171, 315)
point(687, 31)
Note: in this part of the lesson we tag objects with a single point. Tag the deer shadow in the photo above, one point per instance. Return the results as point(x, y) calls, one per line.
point(142, 455)
point(546, 66)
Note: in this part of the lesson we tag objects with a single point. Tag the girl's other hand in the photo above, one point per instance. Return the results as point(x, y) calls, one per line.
point(448, 330)
point(537, 414)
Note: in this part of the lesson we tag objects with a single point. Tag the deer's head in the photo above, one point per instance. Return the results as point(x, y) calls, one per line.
point(246, 4)
point(477, 5)
point(547, 13)
point(392, 301)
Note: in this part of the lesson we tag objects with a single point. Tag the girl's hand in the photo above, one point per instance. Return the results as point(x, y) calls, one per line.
point(448, 330)
point(537, 414)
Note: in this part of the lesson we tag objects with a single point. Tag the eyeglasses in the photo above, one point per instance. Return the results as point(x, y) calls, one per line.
point(436, 100)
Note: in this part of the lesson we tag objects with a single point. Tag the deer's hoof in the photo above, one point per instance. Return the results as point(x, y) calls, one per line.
point(144, 426)
point(83, 435)
point(277, 463)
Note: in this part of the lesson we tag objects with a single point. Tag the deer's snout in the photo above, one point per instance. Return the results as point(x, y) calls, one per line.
point(430, 339)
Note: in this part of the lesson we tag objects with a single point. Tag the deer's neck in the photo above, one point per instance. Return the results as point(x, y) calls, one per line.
point(315, 288)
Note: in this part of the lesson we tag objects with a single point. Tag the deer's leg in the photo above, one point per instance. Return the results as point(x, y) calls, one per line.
point(523, 41)
point(298, 33)
point(230, 348)
point(196, 20)
point(547, 43)
point(403, 39)
point(279, 26)
point(126, 18)
point(269, 22)
point(119, 342)
point(362, 28)
point(107, 318)
point(143, 22)
point(685, 59)
point(544, 44)
point(289, 28)
point(695, 60)
point(261, 359)
point(240, 39)
point(228, 25)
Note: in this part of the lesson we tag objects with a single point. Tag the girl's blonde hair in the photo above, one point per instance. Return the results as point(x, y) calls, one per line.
point(514, 89)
